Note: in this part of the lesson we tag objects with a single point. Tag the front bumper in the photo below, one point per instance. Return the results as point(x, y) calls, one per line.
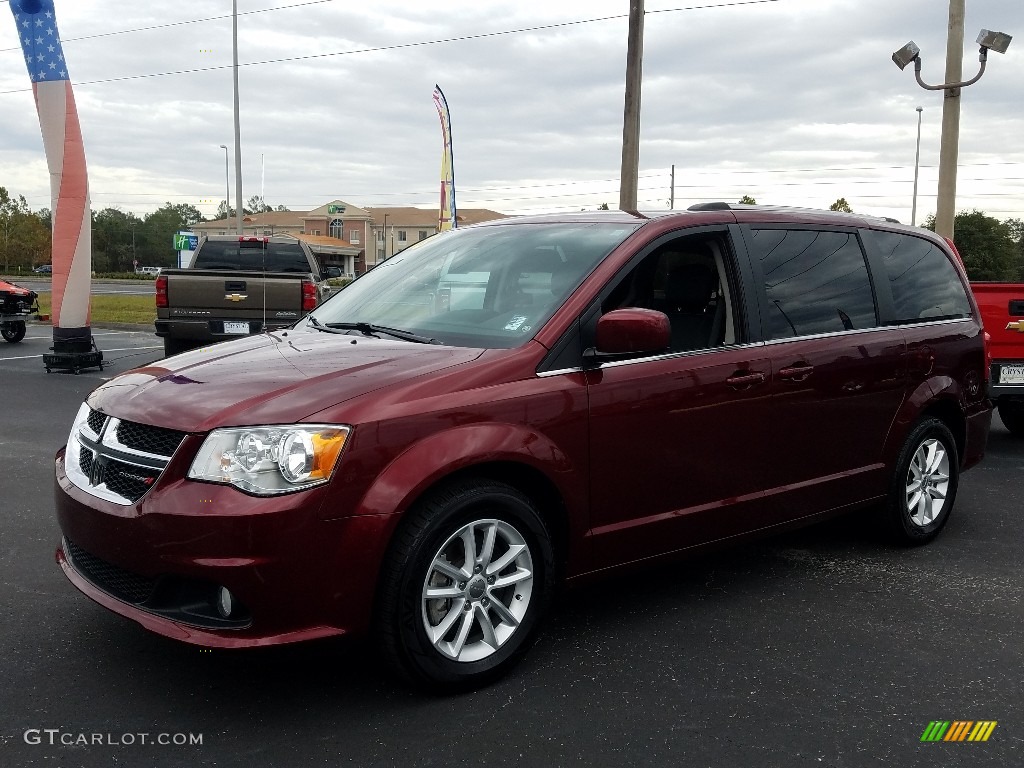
point(163, 560)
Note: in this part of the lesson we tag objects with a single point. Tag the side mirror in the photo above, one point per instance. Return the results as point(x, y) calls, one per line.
point(333, 272)
point(630, 331)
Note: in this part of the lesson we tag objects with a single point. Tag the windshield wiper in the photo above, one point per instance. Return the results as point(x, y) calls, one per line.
point(321, 327)
point(369, 329)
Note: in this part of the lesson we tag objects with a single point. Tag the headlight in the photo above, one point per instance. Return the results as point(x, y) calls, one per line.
point(270, 460)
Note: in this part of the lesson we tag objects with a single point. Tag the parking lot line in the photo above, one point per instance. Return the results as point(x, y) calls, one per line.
point(122, 349)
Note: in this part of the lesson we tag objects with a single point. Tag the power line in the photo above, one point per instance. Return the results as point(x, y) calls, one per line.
point(177, 23)
point(401, 46)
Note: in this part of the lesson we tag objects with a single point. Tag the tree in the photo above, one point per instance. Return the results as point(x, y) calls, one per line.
point(256, 204)
point(603, 207)
point(282, 208)
point(158, 232)
point(841, 205)
point(115, 240)
point(24, 237)
point(1017, 233)
point(747, 200)
point(986, 245)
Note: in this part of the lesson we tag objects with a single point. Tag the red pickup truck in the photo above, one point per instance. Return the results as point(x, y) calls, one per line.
point(1002, 311)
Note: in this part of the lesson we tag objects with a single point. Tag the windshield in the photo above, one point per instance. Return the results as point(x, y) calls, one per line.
point(490, 287)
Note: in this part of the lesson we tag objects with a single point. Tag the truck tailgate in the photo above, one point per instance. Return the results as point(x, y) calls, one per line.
point(1002, 312)
point(242, 295)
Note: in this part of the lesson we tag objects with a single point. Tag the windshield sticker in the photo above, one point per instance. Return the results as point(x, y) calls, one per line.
point(515, 322)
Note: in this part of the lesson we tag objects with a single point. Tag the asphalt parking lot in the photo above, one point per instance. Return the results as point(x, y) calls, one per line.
point(824, 647)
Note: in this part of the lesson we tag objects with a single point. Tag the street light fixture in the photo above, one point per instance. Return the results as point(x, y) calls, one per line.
point(945, 212)
point(227, 185)
point(989, 41)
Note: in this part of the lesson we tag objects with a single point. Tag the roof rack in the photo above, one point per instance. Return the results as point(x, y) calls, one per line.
point(723, 206)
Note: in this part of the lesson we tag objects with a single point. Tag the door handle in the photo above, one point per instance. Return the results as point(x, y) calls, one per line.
point(796, 372)
point(741, 380)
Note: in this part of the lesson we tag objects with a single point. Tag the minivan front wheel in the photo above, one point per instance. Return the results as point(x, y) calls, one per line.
point(466, 582)
point(924, 484)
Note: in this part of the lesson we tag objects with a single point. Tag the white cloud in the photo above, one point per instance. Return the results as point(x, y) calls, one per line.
point(764, 99)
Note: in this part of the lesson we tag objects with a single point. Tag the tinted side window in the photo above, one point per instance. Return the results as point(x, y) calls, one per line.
point(817, 282)
point(925, 284)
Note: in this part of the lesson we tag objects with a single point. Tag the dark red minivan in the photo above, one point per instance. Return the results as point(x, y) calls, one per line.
point(520, 402)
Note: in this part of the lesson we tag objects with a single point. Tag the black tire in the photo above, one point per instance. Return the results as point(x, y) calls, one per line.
point(929, 447)
point(1011, 412)
point(176, 346)
point(13, 331)
point(429, 534)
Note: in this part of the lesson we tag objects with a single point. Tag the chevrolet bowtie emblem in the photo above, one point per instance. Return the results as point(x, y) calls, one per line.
point(1016, 326)
point(235, 296)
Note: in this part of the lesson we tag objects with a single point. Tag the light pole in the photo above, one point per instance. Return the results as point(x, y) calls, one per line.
point(917, 167)
point(949, 146)
point(238, 132)
point(227, 186)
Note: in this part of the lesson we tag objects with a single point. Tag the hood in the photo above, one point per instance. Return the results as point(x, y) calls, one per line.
point(267, 379)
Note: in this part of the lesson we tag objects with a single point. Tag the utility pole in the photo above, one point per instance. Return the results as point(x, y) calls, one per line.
point(631, 112)
point(238, 130)
point(945, 211)
point(672, 191)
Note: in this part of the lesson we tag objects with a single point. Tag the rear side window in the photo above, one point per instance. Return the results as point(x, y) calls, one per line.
point(251, 255)
point(816, 282)
point(925, 284)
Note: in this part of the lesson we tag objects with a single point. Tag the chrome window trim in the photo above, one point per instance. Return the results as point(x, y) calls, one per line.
point(674, 355)
point(943, 321)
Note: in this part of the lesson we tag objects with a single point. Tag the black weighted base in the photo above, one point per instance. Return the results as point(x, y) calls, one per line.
point(73, 350)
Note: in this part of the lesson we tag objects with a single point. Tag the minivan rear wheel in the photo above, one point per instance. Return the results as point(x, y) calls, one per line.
point(924, 484)
point(468, 577)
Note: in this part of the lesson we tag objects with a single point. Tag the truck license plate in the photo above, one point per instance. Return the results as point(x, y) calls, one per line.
point(243, 328)
point(1011, 374)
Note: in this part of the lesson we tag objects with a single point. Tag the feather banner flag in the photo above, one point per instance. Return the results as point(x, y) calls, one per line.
point(446, 217)
point(65, 159)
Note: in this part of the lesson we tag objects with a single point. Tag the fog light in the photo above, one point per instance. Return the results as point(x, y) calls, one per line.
point(224, 602)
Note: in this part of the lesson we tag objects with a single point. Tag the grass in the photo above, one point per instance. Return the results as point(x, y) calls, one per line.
point(114, 309)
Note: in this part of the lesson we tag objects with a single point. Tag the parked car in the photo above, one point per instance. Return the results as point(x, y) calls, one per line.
point(148, 270)
point(520, 402)
point(44, 269)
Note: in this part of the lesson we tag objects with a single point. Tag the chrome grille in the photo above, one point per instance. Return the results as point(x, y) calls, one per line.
point(118, 460)
point(95, 421)
point(155, 440)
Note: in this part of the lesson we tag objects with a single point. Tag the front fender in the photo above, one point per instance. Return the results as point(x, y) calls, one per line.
point(429, 460)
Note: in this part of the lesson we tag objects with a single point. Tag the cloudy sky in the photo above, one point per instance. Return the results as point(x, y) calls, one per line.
point(794, 102)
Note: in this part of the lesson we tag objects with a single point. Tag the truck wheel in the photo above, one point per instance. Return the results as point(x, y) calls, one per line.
point(468, 576)
point(923, 487)
point(1012, 414)
point(13, 332)
point(175, 346)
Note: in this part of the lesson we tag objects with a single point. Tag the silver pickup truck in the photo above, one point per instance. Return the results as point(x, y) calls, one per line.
point(237, 286)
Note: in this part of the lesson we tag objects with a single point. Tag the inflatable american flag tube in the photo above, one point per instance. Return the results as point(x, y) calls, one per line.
point(65, 159)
